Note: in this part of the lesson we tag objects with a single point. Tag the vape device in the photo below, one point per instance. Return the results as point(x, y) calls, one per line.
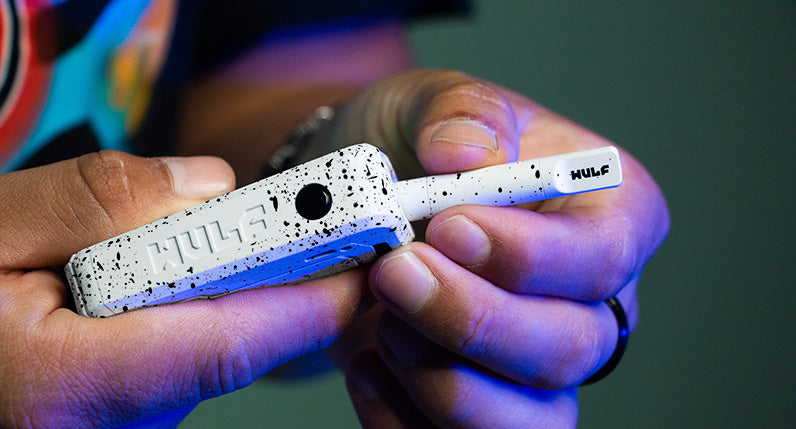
point(319, 218)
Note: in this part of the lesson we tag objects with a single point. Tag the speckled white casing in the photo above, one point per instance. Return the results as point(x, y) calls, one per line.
point(255, 236)
point(247, 238)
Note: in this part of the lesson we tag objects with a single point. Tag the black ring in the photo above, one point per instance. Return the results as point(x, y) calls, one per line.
point(621, 342)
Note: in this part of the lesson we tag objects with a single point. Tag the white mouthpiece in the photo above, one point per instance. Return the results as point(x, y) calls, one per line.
point(510, 184)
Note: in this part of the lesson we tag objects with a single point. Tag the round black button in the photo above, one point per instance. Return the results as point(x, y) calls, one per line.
point(313, 201)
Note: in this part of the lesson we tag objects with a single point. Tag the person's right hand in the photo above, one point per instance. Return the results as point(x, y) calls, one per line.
point(498, 319)
point(61, 369)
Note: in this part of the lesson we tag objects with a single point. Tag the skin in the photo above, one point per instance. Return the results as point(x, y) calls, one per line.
point(509, 325)
point(63, 370)
point(511, 321)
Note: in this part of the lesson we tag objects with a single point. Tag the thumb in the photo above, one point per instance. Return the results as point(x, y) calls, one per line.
point(52, 211)
point(430, 122)
point(463, 123)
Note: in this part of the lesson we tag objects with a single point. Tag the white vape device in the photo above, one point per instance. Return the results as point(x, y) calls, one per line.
point(322, 217)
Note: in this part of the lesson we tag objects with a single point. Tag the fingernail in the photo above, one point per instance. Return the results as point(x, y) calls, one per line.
point(200, 177)
point(466, 132)
point(461, 239)
point(406, 281)
point(406, 345)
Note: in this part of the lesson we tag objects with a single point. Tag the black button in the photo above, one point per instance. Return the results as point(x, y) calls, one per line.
point(313, 201)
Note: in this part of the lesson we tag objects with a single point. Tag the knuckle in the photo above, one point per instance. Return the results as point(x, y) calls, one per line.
point(466, 91)
point(106, 180)
point(483, 336)
point(621, 255)
point(460, 410)
point(227, 363)
point(585, 344)
point(233, 366)
point(113, 181)
point(612, 260)
point(480, 90)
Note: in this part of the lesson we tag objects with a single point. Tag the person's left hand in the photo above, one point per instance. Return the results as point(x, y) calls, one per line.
point(149, 366)
point(498, 319)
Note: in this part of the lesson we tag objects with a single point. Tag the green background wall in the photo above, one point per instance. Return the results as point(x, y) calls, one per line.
point(704, 93)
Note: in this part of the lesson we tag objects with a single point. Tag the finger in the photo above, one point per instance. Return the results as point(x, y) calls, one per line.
point(582, 255)
point(150, 361)
point(455, 393)
point(534, 340)
point(378, 398)
point(52, 211)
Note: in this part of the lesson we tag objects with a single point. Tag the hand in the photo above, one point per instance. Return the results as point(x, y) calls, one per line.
point(61, 369)
point(498, 318)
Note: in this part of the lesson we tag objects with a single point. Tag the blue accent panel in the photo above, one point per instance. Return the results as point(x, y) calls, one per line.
point(297, 267)
point(78, 91)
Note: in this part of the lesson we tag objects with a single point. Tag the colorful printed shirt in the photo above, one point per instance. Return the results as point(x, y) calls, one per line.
point(81, 75)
